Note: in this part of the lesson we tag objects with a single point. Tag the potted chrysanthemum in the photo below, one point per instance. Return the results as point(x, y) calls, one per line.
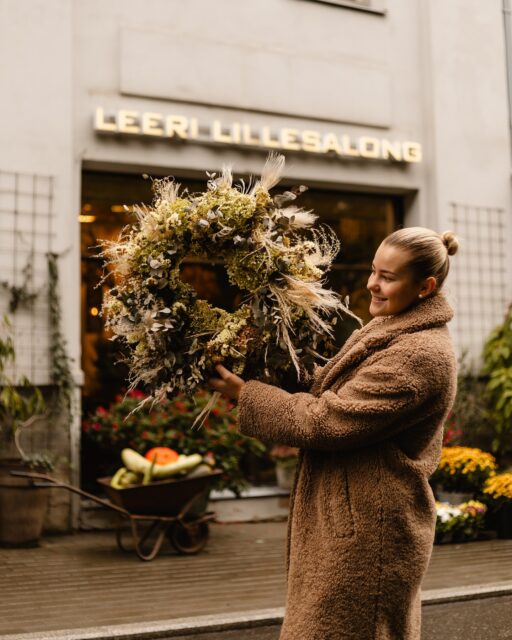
point(459, 523)
point(497, 492)
point(461, 473)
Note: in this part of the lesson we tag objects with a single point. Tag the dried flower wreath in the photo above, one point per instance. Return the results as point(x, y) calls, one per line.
point(270, 253)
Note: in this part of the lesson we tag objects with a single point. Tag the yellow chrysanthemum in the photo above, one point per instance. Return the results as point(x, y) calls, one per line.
point(499, 486)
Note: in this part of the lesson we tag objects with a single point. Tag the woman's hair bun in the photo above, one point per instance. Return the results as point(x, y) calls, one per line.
point(450, 241)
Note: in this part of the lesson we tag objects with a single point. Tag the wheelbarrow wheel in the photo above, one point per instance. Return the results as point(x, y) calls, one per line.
point(190, 538)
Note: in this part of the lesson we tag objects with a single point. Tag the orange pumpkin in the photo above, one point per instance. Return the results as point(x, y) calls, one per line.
point(164, 455)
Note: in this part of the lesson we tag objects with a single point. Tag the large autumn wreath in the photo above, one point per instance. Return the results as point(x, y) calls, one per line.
point(271, 253)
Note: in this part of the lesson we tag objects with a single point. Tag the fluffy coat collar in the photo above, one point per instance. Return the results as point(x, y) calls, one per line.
point(431, 313)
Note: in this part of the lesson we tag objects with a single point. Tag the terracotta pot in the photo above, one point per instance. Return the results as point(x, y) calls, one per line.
point(22, 507)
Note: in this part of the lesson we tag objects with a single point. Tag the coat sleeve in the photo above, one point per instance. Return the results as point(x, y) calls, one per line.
point(376, 403)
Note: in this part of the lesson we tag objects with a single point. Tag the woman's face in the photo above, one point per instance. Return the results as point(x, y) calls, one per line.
point(392, 283)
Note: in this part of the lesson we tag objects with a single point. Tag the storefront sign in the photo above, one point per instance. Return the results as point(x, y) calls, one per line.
point(179, 127)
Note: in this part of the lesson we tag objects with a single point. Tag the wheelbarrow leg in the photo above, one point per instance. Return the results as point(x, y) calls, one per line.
point(139, 541)
point(119, 535)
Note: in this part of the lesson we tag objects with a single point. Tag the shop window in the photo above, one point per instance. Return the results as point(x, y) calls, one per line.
point(360, 220)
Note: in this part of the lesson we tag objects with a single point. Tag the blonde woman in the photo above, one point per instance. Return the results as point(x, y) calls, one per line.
point(362, 514)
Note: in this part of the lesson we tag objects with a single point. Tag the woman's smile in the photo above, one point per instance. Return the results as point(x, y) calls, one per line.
point(391, 283)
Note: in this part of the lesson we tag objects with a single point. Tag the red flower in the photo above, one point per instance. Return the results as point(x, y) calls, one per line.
point(102, 411)
point(96, 426)
point(181, 406)
point(145, 435)
point(136, 394)
point(216, 412)
point(115, 426)
point(85, 427)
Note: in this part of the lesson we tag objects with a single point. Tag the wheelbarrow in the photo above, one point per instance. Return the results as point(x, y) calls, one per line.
point(167, 508)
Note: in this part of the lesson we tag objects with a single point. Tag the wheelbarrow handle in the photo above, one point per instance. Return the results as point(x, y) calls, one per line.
point(48, 481)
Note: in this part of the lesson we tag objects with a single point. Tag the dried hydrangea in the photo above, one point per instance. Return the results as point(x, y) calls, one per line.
point(271, 253)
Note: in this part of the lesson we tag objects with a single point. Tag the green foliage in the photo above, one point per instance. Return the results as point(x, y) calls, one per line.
point(20, 296)
point(498, 366)
point(19, 399)
point(469, 423)
point(61, 363)
point(168, 424)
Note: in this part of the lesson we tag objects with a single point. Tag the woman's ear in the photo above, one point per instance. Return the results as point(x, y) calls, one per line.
point(429, 286)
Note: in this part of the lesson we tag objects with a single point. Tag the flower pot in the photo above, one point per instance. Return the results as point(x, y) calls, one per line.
point(22, 507)
point(454, 497)
point(285, 476)
point(443, 538)
point(504, 521)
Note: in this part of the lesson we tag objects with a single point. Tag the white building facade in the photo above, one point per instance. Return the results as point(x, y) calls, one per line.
point(399, 103)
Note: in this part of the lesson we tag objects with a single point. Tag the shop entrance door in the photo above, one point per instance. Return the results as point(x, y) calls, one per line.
point(361, 221)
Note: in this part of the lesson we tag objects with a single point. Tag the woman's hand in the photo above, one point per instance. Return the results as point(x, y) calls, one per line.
point(228, 384)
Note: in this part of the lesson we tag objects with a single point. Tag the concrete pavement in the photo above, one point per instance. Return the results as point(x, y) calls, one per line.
point(81, 586)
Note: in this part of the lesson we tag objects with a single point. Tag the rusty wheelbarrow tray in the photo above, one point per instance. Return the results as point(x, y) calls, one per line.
point(167, 507)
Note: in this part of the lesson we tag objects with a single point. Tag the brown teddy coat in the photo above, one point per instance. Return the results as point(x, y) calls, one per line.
point(362, 514)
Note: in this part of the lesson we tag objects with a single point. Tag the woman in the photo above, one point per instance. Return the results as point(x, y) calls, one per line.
point(362, 516)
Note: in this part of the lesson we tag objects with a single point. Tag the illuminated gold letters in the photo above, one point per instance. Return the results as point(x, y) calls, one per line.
point(127, 121)
point(267, 140)
point(369, 147)
point(101, 124)
point(176, 126)
point(289, 139)
point(152, 124)
point(412, 152)
point(311, 141)
point(158, 125)
point(391, 150)
point(248, 138)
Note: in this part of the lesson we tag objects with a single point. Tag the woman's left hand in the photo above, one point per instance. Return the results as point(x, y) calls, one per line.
point(228, 384)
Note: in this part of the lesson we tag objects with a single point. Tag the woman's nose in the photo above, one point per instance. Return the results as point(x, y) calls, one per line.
point(371, 284)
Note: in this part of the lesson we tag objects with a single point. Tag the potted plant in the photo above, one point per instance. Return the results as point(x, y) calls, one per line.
point(459, 523)
point(22, 506)
point(285, 459)
point(461, 473)
point(497, 492)
point(169, 424)
point(497, 367)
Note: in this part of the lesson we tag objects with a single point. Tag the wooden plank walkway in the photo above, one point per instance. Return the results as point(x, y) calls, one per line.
point(82, 580)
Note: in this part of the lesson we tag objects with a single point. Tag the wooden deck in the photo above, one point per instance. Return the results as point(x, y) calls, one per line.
point(82, 580)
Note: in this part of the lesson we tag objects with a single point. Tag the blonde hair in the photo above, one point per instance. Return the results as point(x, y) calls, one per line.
point(428, 249)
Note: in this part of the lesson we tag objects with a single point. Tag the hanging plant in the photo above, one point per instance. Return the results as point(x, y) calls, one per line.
point(20, 296)
point(61, 374)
